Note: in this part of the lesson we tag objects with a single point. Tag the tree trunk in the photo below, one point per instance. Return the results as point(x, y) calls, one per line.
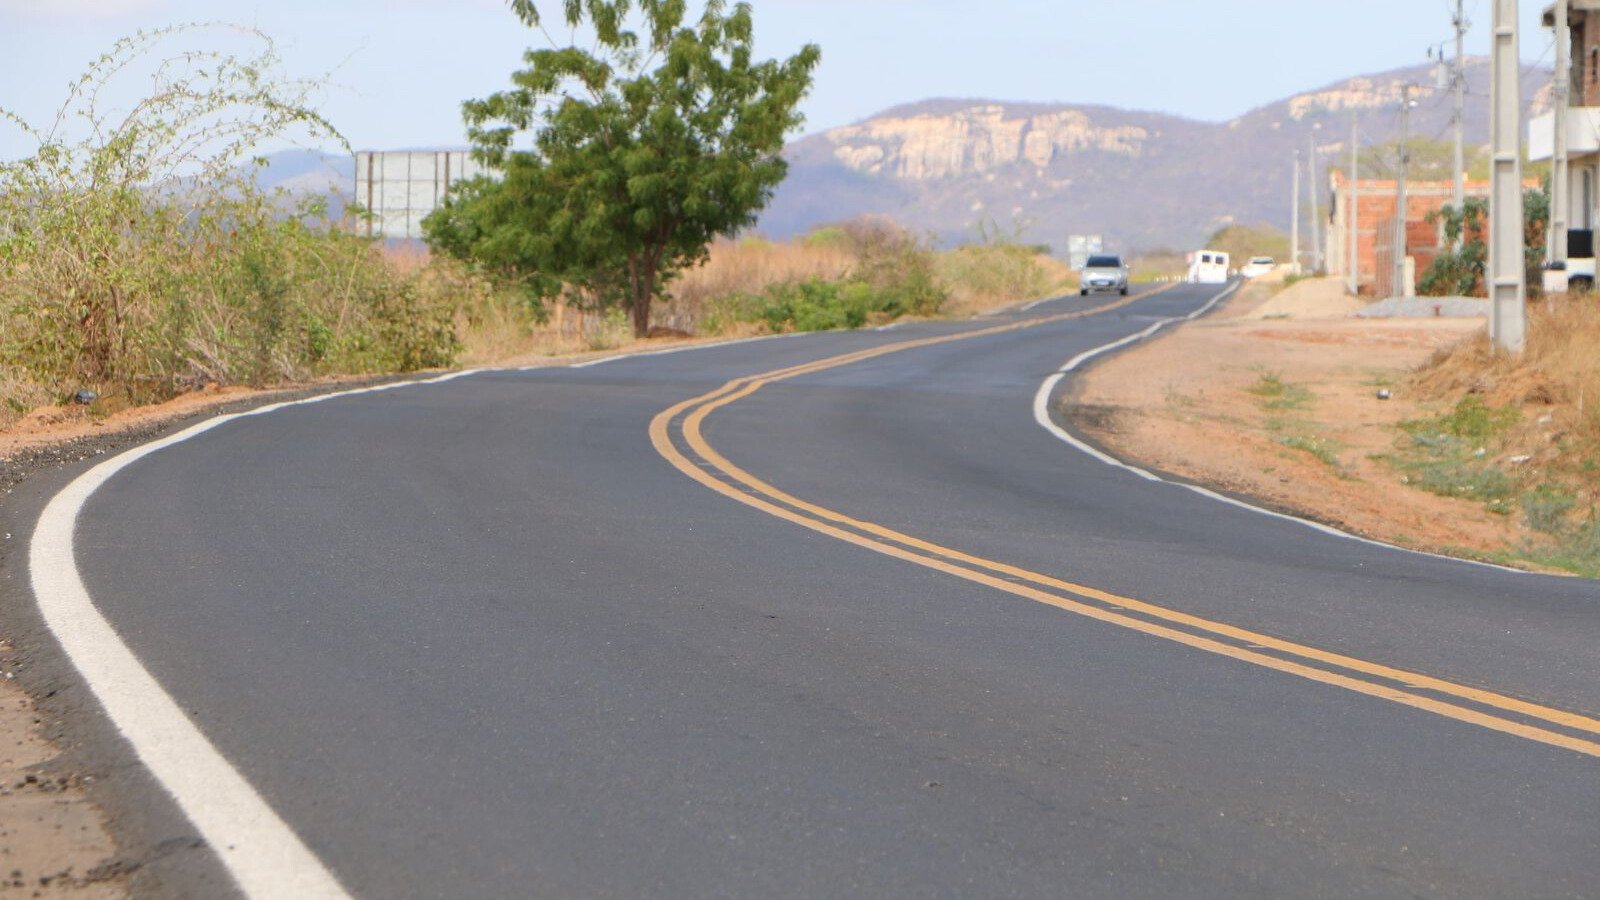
point(640, 308)
point(642, 289)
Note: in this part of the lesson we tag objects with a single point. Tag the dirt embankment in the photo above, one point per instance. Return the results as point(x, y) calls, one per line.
point(1285, 397)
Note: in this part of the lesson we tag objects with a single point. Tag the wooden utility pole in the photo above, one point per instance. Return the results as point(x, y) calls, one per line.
point(1507, 288)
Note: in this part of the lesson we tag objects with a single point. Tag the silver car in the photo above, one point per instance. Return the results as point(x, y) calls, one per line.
point(1103, 273)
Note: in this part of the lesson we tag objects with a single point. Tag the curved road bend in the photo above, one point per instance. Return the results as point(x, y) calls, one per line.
point(485, 638)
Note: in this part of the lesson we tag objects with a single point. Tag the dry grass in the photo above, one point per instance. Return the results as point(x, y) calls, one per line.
point(1549, 452)
point(498, 328)
point(983, 277)
point(19, 394)
point(407, 258)
point(750, 266)
point(494, 324)
point(1558, 375)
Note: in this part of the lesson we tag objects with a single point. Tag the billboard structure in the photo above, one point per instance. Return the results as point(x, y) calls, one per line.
point(1082, 246)
point(400, 187)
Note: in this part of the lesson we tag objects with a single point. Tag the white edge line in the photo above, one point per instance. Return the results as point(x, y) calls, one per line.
point(258, 848)
point(262, 853)
point(1041, 414)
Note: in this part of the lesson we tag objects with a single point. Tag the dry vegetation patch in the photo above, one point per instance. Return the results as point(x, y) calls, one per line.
point(1522, 433)
point(861, 272)
point(751, 265)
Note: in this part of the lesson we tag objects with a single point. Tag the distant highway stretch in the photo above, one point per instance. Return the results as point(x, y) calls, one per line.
point(840, 614)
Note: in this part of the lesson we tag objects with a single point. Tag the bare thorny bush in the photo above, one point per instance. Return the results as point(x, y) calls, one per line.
point(139, 257)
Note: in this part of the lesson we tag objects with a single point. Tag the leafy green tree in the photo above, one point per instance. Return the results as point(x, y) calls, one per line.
point(644, 149)
point(1460, 272)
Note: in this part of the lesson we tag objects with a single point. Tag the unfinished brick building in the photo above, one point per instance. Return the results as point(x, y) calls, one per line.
point(1374, 203)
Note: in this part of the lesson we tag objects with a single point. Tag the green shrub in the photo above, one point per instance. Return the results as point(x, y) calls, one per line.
point(113, 279)
point(1471, 420)
point(900, 272)
point(894, 276)
point(1279, 395)
point(1450, 454)
point(816, 305)
point(1460, 267)
point(1455, 477)
point(1324, 450)
point(1545, 508)
point(1009, 271)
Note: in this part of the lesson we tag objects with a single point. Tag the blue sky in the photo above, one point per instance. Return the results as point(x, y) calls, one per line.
point(401, 67)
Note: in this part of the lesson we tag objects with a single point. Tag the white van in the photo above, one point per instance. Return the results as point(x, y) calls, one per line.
point(1208, 267)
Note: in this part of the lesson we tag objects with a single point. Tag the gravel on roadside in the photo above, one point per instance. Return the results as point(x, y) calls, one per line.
point(1425, 308)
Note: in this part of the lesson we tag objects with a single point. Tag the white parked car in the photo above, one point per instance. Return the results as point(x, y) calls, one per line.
point(1257, 266)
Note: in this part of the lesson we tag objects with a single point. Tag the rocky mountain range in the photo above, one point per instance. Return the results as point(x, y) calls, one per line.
point(1145, 180)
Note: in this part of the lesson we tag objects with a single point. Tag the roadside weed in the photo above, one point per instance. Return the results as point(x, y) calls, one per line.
point(1321, 448)
point(1545, 508)
point(1471, 420)
point(1277, 394)
point(1449, 454)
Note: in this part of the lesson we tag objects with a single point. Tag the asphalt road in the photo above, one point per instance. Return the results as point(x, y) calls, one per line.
point(487, 638)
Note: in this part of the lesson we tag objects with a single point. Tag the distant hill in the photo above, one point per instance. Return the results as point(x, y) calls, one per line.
point(1145, 180)
point(309, 172)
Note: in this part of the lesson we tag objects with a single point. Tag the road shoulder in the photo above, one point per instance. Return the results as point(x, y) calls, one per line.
point(1284, 397)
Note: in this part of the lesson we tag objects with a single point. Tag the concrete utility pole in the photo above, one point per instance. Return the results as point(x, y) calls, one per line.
point(1399, 286)
point(1560, 189)
point(1507, 290)
point(1294, 218)
point(1459, 195)
point(1351, 209)
point(1317, 263)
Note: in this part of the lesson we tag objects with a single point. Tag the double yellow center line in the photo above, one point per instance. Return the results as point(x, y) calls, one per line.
point(677, 434)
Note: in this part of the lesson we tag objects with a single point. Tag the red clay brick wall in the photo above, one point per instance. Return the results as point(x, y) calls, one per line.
point(1375, 207)
point(1422, 243)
